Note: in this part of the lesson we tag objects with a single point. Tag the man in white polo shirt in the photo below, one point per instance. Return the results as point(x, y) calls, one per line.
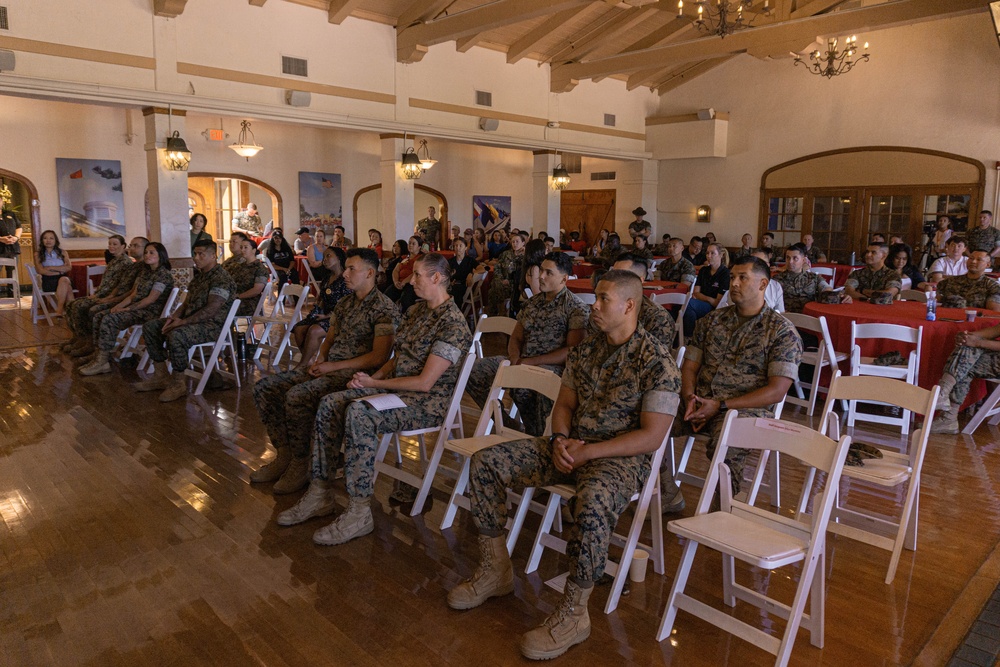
point(953, 263)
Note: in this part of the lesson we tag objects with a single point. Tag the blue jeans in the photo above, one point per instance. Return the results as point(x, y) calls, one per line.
point(695, 310)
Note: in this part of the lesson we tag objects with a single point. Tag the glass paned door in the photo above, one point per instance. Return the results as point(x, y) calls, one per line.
point(890, 215)
point(831, 222)
point(956, 207)
point(784, 220)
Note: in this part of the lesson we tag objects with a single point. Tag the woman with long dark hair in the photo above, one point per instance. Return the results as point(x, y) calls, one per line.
point(281, 255)
point(400, 251)
point(402, 276)
point(53, 267)
point(901, 261)
point(311, 330)
point(531, 268)
point(198, 223)
point(479, 248)
point(462, 267)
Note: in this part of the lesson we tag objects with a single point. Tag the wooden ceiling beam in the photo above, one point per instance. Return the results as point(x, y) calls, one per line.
point(257, 3)
point(685, 74)
point(341, 9)
point(463, 44)
point(529, 42)
point(802, 31)
point(599, 33)
point(168, 8)
point(421, 10)
point(473, 21)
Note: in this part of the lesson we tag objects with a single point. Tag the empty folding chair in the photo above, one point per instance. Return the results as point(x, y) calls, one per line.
point(201, 367)
point(491, 431)
point(495, 324)
point(674, 299)
point(473, 304)
point(43, 303)
point(13, 282)
point(93, 272)
point(251, 320)
point(824, 356)
point(760, 538)
point(893, 471)
point(908, 372)
point(447, 429)
point(825, 271)
point(278, 325)
point(988, 410)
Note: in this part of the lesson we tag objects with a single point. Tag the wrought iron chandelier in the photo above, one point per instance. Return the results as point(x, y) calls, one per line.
point(724, 17)
point(834, 62)
point(244, 148)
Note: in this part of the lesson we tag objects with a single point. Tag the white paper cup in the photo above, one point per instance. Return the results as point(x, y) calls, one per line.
point(637, 570)
point(970, 316)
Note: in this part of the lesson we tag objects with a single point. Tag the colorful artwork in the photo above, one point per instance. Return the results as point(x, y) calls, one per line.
point(91, 202)
point(490, 213)
point(320, 204)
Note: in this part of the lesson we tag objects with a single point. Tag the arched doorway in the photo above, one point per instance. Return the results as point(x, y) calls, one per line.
point(367, 209)
point(219, 197)
point(24, 203)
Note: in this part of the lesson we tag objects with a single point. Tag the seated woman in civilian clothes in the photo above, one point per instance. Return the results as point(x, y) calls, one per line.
point(198, 223)
point(282, 257)
point(401, 290)
point(251, 276)
point(712, 283)
point(310, 332)
point(427, 353)
point(314, 255)
point(362, 327)
point(462, 267)
point(144, 302)
point(901, 261)
point(619, 396)
point(53, 267)
point(550, 324)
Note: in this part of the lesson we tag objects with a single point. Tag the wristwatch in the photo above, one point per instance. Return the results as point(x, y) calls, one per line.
point(722, 407)
point(553, 437)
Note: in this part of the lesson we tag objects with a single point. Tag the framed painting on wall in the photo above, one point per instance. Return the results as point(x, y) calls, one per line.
point(91, 202)
point(490, 213)
point(320, 203)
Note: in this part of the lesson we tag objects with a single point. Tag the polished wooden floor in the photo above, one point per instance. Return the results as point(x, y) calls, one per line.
point(131, 536)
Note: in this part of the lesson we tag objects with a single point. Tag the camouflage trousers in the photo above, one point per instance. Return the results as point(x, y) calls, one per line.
point(532, 406)
point(604, 489)
point(287, 403)
point(967, 364)
point(176, 342)
point(108, 325)
point(340, 420)
point(80, 315)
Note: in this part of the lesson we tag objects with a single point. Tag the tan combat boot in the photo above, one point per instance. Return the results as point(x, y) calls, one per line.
point(493, 577)
point(317, 501)
point(100, 365)
point(176, 388)
point(273, 470)
point(297, 474)
point(355, 522)
point(568, 625)
point(946, 423)
point(157, 381)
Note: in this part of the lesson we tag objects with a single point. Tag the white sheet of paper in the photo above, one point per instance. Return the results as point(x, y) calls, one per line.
point(382, 402)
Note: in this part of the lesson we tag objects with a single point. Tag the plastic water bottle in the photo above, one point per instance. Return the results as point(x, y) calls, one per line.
point(931, 305)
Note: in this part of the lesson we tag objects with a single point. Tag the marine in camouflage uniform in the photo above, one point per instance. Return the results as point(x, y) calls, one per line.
point(176, 342)
point(246, 275)
point(613, 387)
point(429, 229)
point(505, 274)
point(867, 279)
point(800, 288)
point(967, 292)
point(983, 238)
point(737, 356)
point(107, 325)
point(287, 402)
point(117, 281)
point(546, 325)
point(964, 365)
point(640, 228)
point(658, 322)
point(232, 264)
point(681, 271)
point(442, 332)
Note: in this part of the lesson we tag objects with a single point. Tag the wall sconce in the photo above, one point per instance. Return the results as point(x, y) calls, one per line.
point(178, 155)
point(704, 213)
point(424, 153)
point(411, 165)
point(560, 177)
point(242, 148)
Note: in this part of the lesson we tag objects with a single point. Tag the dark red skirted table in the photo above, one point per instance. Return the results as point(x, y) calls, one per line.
point(78, 275)
point(649, 287)
point(938, 337)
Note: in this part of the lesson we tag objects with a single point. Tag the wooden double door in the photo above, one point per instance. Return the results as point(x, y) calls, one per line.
point(587, 212)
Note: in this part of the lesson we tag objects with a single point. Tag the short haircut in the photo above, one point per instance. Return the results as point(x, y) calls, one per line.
point(341, 255)
point(563, 262)
point(239, 235)
point(549, 239)
point(596, 276)
point(626, 281)
point(142, 240)
point(985, 252)
point(798, 247)
point(757, 266)
point(613, 236)
point(206, 243)
point(769, 235)
point(437, 263)
point(697, 238)
point(367, 255)
point(957, 239)
point(340, 227)
point(881, 245)
point(637, 264)
point(574, 235)
point(524, 235)
point(121, 239)
point(989, 213)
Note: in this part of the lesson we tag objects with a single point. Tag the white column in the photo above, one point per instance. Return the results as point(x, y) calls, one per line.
point(650, 185)
point(397, 192)
point(168, 190)
point(546, 199)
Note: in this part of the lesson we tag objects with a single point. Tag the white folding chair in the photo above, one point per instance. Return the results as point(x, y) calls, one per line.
point(472, 303)
point(258, 313)
point(760, 538)
point(674, 299)
point(892, 471)
point(92, 272)
point(648, 494)
point(129, 340)
point(42, 303)
point(989, 409)
point(167, 312)
point(311, 280)
point(588, 298)
point(823, 357)
point(864, 366)
point(491, 431)
point(284, 321)
point(429, 464)
point(495, 324)
point(13, 281)
point(220, 345)
point(913, 295)
point(825, 271)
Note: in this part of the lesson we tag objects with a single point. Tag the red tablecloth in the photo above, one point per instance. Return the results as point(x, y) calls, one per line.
point(300, 268)
point(938, 338)
point(586, 269)
point(649, 287)
point(78, 275)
